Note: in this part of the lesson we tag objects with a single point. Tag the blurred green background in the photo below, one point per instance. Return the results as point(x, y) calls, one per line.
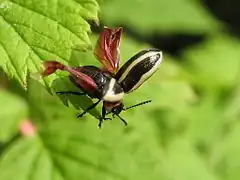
point(190, 131)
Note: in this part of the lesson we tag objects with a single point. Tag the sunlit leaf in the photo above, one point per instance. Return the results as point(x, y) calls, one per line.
point(32, 31)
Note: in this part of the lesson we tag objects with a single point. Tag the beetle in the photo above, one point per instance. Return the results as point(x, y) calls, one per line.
point(110, 83)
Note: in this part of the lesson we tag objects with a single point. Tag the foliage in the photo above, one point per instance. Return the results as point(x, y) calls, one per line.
point(33, 30)
point(190, 131)
point(163, 16)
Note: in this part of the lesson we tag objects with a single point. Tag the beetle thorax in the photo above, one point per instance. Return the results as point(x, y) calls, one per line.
point(112, 91)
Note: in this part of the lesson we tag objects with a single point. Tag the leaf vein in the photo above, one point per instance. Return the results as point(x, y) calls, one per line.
point(34, 46)
point(22, 38)
point(55, 164)
point(26, 26)
point(86, 163)
point(33, 165)
point(11, 61)
point(32, 49)
point(59, 23)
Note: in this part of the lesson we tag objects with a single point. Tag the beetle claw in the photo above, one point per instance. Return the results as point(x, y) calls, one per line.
point(100, 124)
point(101, 121)
point(81, 115)
point(107, 119)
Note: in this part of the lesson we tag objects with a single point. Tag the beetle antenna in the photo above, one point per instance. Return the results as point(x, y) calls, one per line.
point(139, 104)
point(121, 119)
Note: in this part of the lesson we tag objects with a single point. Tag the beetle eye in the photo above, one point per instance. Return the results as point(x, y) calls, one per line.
point(116, 110)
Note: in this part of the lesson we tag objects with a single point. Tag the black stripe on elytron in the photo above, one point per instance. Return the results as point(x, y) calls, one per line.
point(130, 61)
point(135, 74)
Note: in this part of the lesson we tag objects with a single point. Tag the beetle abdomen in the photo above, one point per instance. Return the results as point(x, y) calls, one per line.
point(107, 88)
point(138, 69)
point(97, 76)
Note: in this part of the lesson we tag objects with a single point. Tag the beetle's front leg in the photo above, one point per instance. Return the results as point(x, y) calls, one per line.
point(89, 108)
point(71, 93)
point(103, 117)
point(104, 114)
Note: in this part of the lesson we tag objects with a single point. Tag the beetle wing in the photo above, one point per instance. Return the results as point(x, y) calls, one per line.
point(82, 79)
point(138, 69)
point(107, 48)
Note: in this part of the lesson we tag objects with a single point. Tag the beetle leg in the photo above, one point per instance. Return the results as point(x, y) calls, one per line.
point(103, 117)
point(71, 92)
point(104, 114)
point(100, 123)
point(121, 119)
point(89, 108)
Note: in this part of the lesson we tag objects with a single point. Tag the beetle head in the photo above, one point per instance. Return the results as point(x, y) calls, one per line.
point(114, 108)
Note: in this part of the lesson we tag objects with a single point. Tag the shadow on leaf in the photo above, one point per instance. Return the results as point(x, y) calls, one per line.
point(169, 125)
point(78, 101)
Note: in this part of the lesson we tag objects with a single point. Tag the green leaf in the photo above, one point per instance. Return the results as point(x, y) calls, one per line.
point(20, 157)
point(213, 64)
point(13, 111)
point(185, 162)
point(225, 154)
point(232, 111)
point(162, 16)
point(81, 151)
point(43, 106)
point(202, 117)
point(69, 148)
point(32, 31)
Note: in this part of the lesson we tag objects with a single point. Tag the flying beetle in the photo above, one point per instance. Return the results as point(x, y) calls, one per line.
point(109, 83)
